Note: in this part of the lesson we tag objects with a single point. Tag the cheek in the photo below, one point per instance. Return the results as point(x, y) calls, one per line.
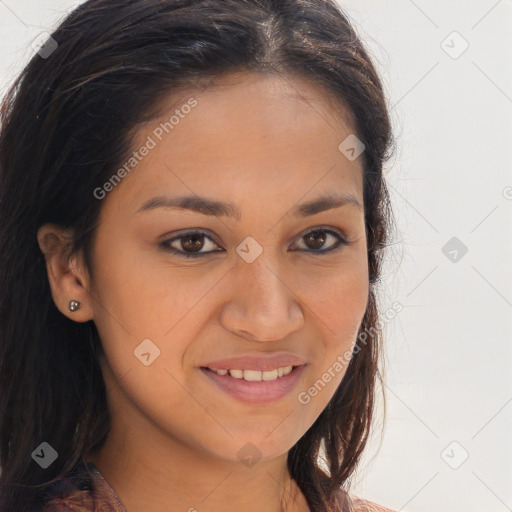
point(142, 322)
point(337, 302)
point(338, 309)
point(141, 298)
point(140, 301)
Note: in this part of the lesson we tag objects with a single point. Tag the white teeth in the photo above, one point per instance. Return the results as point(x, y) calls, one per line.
point(270, 375)
point(257, 375)
point(287, 370)
point(251, 375)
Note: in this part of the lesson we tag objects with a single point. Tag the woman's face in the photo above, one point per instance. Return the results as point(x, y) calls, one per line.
point(261, 279)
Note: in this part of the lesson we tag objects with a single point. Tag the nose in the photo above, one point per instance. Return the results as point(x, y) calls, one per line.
point(263, 305)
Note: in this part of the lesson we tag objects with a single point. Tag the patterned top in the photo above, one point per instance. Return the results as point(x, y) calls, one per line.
point(67, 496)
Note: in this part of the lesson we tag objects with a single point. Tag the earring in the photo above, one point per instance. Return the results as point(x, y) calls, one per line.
point(74, 305)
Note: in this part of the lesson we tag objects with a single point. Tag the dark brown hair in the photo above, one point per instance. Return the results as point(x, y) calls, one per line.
point(67, 123)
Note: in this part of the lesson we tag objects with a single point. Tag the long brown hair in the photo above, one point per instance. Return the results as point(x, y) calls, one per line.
point(67, 123)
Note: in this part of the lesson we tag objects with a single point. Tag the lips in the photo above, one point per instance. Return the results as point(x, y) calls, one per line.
point(256, 392)
point(256, 362)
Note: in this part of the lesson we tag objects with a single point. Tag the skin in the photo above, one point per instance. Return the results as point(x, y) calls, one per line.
point(266, 144)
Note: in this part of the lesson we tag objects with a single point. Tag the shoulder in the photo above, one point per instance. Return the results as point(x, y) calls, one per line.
point(362, 505)
point(85, 501)
point(85, 491)
point(350, 503)
point(76, 503)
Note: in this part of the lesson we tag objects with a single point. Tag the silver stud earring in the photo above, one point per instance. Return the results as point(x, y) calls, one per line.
point(74, 305)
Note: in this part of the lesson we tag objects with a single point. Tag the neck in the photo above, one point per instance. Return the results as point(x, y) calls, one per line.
point(151, 469)
point(145, 481)
point(162, 471)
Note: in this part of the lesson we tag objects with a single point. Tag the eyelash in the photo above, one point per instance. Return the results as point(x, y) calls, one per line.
point(342, 241)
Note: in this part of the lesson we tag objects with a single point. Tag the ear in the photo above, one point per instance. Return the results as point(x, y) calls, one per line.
point(68, 279)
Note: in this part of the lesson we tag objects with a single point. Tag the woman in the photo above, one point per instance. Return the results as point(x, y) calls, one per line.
point(193, 211)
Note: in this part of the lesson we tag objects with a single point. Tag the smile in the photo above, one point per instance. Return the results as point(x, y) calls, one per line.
point(253, 386)
point(256, 375)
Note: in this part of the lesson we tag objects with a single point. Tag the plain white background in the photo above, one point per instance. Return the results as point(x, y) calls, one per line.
point(446, 443)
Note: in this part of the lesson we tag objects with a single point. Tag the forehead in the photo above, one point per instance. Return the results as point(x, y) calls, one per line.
point(258, 133)
point(251, 88)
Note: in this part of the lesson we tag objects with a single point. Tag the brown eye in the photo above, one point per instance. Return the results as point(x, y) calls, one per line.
point(315, 240)
point(190, 244)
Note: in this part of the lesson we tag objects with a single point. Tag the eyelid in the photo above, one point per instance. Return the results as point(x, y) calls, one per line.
point(165, 243)
point(342, 240)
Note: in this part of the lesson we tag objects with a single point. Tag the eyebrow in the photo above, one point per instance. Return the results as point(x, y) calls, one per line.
point(215, 208)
